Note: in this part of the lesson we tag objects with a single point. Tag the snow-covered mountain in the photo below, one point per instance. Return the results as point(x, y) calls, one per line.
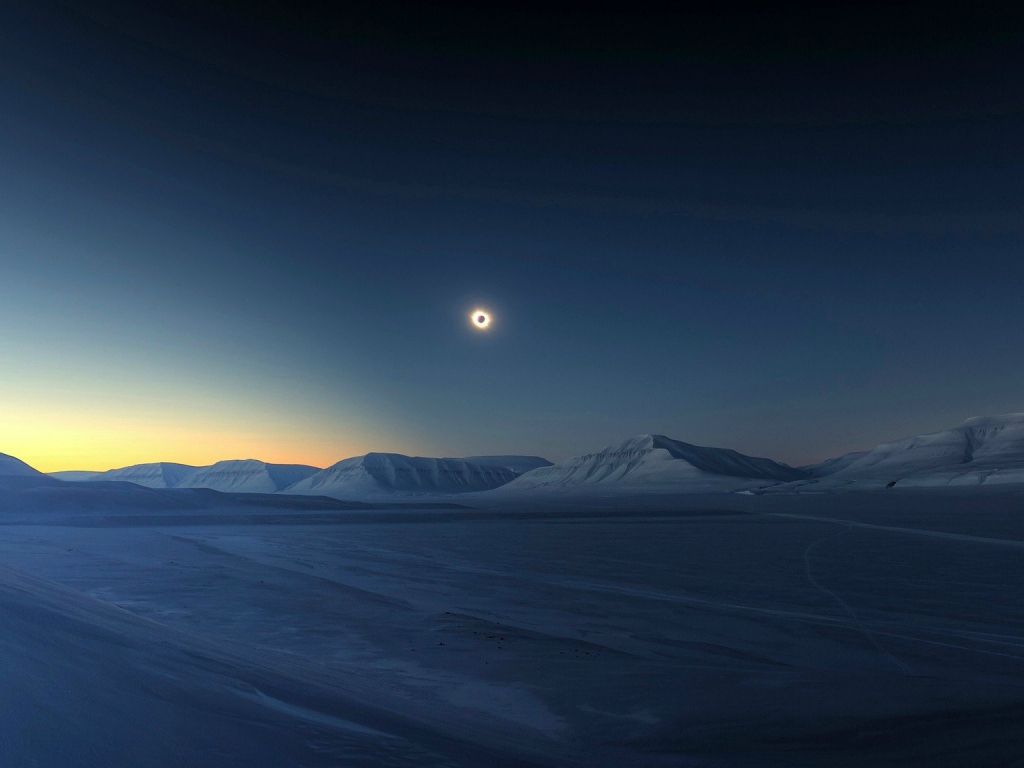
point(375, 474)
point(247, 476)
point(17, 476)
point(12, 467)
point(987, 450)
point(74, 475)
point(384, 474)
point(233, 475)
point(161, 474)
point(657, 463)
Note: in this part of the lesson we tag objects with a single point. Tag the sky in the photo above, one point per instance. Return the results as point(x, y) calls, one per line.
point(257, 233)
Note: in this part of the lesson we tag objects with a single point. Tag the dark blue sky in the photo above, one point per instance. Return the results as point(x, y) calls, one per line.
point(792, 233)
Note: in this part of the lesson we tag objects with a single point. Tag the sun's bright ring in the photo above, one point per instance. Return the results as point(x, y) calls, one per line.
point(480, 319)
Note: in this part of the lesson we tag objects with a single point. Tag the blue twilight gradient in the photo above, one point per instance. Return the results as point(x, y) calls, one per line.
point(789, 256)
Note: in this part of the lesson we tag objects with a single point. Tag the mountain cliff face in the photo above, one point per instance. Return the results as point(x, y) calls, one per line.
point(656, 461)
point(981, 451)
point(392, 473)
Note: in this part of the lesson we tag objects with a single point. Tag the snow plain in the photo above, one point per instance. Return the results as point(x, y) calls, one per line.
point(150, 628)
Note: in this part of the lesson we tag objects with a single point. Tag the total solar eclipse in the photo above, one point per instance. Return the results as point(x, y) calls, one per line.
point(481, 319)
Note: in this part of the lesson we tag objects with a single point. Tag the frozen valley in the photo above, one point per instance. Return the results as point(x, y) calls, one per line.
point(753, 620)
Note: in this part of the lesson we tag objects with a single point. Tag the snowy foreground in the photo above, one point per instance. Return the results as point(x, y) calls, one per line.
point(852, 630)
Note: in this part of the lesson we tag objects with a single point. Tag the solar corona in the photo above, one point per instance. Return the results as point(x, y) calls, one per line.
point(480, 319)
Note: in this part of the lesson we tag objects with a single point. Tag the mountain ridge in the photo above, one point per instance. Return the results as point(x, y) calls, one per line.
point(393, 473)
point(240, 475)
point(655, 460)
point(11, 466)
point(980, 450)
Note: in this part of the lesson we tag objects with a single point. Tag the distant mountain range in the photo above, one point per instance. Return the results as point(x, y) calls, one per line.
point(986, 451)
point(372, 475)
point(237, 475)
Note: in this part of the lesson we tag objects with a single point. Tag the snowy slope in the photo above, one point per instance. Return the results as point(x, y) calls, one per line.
point(16, 476)
point(656, 462)
point(12, 467)
point(833, 465)
point(377, 474)
point(982, 451)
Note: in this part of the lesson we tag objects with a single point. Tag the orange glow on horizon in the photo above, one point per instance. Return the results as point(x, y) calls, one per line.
point(61, 442)
point(56, 417)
